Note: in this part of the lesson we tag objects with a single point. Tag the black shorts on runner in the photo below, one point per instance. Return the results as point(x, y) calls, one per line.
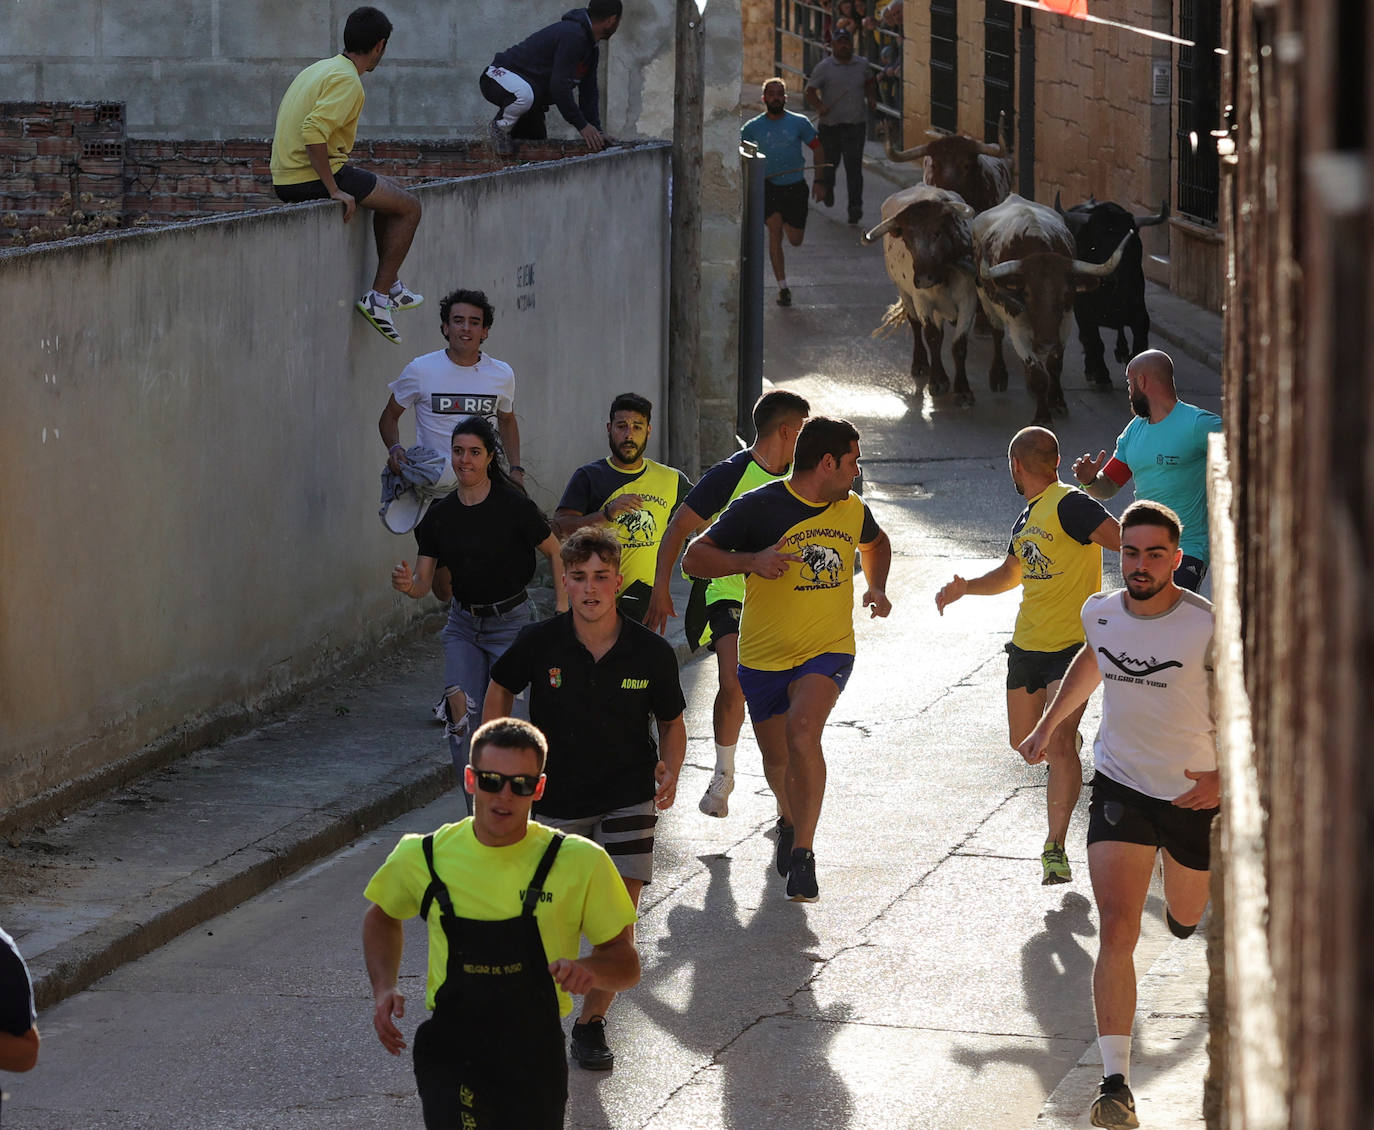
point(1033, 671)
point(1189, 573)
point(358, 183)
point(788, 199)
point(634, 601)
point(1118, 812)
point(722, 617)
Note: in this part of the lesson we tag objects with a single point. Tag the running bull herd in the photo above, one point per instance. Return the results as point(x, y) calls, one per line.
point(963, 241)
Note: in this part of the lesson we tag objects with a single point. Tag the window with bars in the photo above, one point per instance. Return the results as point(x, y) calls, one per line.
point(944, 64)
point(1199, 109)
point(999, 69)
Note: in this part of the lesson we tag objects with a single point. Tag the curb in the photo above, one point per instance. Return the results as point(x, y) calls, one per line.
point(166, 914)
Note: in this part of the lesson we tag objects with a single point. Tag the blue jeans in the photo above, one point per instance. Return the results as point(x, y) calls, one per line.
point(472, 644)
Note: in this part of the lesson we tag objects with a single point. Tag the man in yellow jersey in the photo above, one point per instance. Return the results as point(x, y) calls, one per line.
point(713, 610)
point(316, 124)
point(1055, 555)
point(506, 902)
point(794, 541)
point(633, 495)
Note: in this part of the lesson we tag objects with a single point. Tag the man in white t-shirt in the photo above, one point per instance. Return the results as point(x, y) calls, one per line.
point(1156, 788)
point(447, 386)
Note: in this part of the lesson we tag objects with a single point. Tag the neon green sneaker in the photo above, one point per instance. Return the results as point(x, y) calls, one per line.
point(1055, 863)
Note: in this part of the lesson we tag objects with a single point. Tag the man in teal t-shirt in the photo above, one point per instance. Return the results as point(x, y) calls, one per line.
point(1165, 449)
point(780, 136)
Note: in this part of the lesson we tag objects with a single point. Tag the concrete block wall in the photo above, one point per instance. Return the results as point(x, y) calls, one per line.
point(189, 479)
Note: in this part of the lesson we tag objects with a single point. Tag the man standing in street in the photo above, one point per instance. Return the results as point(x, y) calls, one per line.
point(713, 612)
point(506, 902)
point(1055, 555)
point(597, 681)
point(843, 92)
point(316, 124)
point(794, 541)
point(633, 495)
point(1165, 449)
point(444, 387)
point(1156, 789)
point(555, 66)
point(780, 136)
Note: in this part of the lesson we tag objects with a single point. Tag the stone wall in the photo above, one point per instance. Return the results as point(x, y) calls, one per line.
point(189, 458)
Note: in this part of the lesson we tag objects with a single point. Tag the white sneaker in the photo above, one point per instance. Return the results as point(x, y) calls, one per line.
point(405, 298)
point(716, 801)
point(379, 314)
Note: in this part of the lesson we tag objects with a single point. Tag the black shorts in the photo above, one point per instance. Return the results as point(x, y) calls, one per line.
point(788, 199)
point(1035, 670)
point(358, 183)
point(634, 601)
point(1118, 812)
point(722, 617)
point(1189, 573)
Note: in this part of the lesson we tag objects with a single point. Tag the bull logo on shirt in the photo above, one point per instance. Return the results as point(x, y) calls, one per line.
point(821, 563)
point(1034, 559)
point(637, 527)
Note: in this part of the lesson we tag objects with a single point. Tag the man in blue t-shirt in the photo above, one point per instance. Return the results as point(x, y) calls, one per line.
point(1165, 449)
point(780, 135)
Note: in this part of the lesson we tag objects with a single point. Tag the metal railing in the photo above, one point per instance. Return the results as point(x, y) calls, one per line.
point(801, 39)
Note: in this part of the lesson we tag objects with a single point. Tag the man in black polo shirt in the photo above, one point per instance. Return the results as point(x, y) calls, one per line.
point(596, 678)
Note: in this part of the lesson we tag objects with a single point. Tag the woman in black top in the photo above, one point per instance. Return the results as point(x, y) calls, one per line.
point(485, 532)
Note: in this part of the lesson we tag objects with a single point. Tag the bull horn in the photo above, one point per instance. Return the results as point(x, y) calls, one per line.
point(881, 230)
point(1157, 218)
point(1001, 271)
point(989, 149)
point(895, 154)
point(1058, 207)
point(1102, 270)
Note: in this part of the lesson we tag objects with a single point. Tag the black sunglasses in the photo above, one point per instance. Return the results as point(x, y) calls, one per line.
point(521, 784)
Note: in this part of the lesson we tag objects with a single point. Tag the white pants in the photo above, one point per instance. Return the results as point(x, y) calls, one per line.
point(524, 96)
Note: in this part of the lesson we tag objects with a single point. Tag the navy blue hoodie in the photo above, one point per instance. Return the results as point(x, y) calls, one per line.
point(553, 61)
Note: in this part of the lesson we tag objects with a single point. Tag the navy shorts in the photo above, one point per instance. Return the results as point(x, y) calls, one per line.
point(358, 183)
point(1035, 670)
point(766, 691)
point(1118, 812)
point(1190, 572)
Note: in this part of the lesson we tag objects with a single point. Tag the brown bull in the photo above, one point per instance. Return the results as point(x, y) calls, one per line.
point(1028, 276)
point(976, 170)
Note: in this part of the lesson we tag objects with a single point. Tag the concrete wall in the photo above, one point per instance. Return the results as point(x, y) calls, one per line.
point(189, 455)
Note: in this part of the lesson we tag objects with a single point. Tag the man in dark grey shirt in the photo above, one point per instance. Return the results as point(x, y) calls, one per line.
point(842, 91)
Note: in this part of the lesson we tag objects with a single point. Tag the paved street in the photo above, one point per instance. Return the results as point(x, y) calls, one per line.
point(935, 984)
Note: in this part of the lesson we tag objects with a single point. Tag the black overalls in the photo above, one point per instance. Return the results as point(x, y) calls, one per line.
point(492, 1055)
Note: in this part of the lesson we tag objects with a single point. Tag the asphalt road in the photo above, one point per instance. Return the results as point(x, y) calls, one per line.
point(936, 983)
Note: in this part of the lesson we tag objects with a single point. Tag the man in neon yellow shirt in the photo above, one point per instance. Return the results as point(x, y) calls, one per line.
point(506, 902)
point(316, 124)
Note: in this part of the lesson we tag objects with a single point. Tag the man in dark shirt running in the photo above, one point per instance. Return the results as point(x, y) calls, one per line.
point(597, 679)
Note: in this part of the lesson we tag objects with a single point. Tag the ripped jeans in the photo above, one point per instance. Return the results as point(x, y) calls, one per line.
point(472, 645)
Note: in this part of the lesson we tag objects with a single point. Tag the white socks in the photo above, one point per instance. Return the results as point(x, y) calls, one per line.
point(1116, 1056)
point(782, 284)
point(384, 299)
point(725, 759)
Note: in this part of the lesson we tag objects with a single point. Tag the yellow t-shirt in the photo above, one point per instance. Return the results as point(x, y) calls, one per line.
point(582, 895)
point(809, 610)
point(321, 106)
point(1061, 566)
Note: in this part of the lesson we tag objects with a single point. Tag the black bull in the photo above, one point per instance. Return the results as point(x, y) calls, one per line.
point(1119, 302)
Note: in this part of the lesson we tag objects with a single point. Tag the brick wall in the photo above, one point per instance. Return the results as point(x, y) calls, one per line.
point(67, 169)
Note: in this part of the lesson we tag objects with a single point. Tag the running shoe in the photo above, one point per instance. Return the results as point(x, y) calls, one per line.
point(403, 298)
point(501, 142)
point(716, 801)
point(801, 877)
point(1114, 1106)
point(830, 196)
point(787, 836)
point(379, 314)
point(588, 1045)
point(1055, 864)
point(785, 297)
